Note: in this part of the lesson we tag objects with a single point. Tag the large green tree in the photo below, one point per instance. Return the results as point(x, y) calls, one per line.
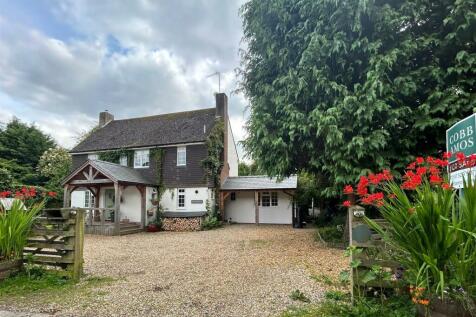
point(338, 87)
point(21, 147)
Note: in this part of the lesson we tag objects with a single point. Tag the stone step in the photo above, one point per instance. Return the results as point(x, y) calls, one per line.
point(123, 232)
point(129, 225)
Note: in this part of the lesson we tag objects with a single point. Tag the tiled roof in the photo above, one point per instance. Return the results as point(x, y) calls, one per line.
point(119, 172)
point(172, 128)
point(114, 172)
point(259, 182)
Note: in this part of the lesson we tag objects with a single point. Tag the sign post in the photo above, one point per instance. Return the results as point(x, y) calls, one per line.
point(461, 137)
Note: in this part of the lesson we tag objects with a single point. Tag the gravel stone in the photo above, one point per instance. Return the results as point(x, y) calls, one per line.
point(238, 270)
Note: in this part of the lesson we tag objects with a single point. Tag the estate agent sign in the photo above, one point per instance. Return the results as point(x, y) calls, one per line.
point(461, 137)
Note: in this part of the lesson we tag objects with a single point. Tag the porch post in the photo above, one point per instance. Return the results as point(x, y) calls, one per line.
point(117, 205)
point(143, 192)
point(256, 208)
point(66, 197)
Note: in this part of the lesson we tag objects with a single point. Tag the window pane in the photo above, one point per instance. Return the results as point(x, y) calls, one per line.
point(181, 198)
point(123, 160)
point(265, 199)
point(141, 158)
point(274, 199)
point(181, 156)
point(233, 196)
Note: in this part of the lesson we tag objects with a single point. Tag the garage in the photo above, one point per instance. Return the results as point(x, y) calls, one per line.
point(258, 199)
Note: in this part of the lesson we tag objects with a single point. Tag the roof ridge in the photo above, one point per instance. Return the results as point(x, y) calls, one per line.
point(165, 114)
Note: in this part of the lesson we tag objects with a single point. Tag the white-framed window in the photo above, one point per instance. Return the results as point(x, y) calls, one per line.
point(274, 198)
point(93, 156)
point(123, 160)
point(265, 199)
point(141, 158)
point(181, 156)
point(181, 198)
point(89, 199)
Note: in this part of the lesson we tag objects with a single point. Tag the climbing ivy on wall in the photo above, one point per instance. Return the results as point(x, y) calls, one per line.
point(115, 155)
point(157, 156)
point(213, 163)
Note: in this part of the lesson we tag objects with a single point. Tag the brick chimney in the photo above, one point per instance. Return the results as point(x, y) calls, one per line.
point(221, 111)
point(104, 118)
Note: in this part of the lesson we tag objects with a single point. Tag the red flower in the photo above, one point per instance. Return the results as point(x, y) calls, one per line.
point(421, 170)
point(434, 170)
point(460, 157)
point(348, 189)
point(387, 175)
point(420, 160)
point(362, 189)
point(392, 196)
point(52, 194)
point(435, 179)
point(447, 155)
point(411, 166)
point(446, 186)
point(346, 203)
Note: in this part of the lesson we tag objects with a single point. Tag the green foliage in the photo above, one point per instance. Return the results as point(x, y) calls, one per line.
point(336, 305)
point(249, 169)
point(434, 233)
point(211, 220)
point(330, 234)
point(213, 163)
point(114, 156)
point(341, 87)
point(307, 189)
point(55, 164)
point(6, 179)
point(15, 227)
point(299, 296)
point(157, 155)
point(21, 147)
point(38, 279)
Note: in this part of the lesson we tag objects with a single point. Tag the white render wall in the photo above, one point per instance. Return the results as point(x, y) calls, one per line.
point(77, 198)
point(280, 214)
point(130, 205)
point(149, 206)
point(232, 153)
point(242, 210)
point(169, 199)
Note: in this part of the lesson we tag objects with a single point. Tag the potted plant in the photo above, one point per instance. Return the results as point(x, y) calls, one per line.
point(432, 230)
point(156, 225)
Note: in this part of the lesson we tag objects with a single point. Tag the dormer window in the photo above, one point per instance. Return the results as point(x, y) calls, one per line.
point(181, 156)
point(141, 159)
point(123, 160)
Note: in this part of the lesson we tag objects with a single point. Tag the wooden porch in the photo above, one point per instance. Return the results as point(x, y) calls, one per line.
point(97, 175)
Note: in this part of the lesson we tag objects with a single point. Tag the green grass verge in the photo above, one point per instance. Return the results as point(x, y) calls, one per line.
point(48, 287)
point(339, 306)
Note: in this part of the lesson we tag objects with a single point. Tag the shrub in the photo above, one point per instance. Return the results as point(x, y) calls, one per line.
point(330, 234)
point(431, 228)
point(211, 222)
point(15, 227)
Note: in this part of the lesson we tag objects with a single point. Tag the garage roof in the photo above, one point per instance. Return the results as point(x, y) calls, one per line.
point(259, 182)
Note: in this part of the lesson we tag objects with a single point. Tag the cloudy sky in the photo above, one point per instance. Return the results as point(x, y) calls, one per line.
point(61, 62)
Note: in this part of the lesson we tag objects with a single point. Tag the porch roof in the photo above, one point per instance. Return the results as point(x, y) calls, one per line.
point(258, 183)
point(114, 172)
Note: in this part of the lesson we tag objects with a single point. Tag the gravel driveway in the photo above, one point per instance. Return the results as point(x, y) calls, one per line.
point(238, 270)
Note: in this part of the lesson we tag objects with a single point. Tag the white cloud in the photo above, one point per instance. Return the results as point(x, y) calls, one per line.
point(160, 63)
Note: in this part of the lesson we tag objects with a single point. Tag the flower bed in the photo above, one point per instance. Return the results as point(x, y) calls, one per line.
point(431, 228)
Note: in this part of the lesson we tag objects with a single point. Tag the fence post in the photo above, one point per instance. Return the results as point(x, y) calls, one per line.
point(78, 245)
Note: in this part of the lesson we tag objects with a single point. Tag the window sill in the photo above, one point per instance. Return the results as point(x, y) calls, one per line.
point(141, 166)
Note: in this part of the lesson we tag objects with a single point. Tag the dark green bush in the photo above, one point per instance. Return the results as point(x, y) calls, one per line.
point(211, 222)
point(330, 234)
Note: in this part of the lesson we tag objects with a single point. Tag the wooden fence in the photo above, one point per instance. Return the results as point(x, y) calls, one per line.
point(57, 240)
point(372, 252)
